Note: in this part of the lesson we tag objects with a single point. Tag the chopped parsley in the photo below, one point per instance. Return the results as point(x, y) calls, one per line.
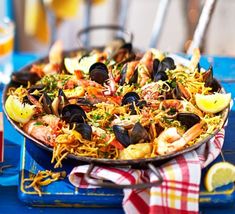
point(38, 123)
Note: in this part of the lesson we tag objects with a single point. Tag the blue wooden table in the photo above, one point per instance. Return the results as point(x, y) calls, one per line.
point(224, 69)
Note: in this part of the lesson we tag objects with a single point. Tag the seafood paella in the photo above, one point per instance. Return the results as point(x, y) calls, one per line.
point(116, 103)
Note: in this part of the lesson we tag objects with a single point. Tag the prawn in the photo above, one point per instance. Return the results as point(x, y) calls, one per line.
point(110, 86)
point(170, 141)
point(145, 68)
point(44, 129)
point(180, 105)
point(130, 70)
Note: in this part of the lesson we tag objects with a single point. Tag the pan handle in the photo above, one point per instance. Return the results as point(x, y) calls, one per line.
point(83, 34)
point(103, 183)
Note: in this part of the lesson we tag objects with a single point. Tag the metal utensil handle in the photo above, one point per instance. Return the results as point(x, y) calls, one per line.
point(103, 183)
point(102, 27)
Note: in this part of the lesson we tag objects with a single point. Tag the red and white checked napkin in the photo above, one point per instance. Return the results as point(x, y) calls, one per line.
point(179, 192)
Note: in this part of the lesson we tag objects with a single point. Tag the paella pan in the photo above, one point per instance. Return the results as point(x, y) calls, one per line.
point(115, 106)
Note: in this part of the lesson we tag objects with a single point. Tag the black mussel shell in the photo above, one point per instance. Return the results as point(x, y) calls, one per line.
point(133, 98)
point(36, 87)
point(24, 77)
point(188, 119)
point(210, 81)
point(161, 75)
point(73, 113)
point(127, 46)
point(61, 94)
point(141, 103)
point(132, 80)
point(84, 129)
point(215, 86)
point(46, 101)
point(123, 74)
point(156, 64)
point(121, 135)
point(168, 63)
point(138, 134)
point(33, 88)
point(130, 97)
point(177, 92)
point(84, 102)
point(99, 73)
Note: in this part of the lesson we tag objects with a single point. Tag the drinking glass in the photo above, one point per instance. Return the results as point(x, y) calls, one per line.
point(7, 29)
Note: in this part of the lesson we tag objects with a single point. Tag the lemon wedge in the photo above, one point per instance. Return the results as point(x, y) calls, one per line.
point(219, 174)
point(18, 111)
point(72, 64)
point(213, 103)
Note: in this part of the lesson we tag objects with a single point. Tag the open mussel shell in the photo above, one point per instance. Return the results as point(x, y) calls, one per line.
point(62, 95)
point(132, 80)
point(138, 134)
point(99, 73)
point(24, 77)
point(161, 75)
point(127, 46)
point(39, 88)
point(84, 129)
point(188, 119)
point(73, 113)
point(168, 63)
point(133, 99)
point(46, 101)
point(210, 81)
point(130, 97)
point(36, 87)
point(122, 135)
point(159, 68)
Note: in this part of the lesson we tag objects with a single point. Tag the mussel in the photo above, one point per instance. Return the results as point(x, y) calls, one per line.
point(210, 81)
point(73, 113)
point(159, 68)
point(36, 90)
point(84, 102)
point(180, 92)
point(24, 77)
point(138, 134)
point(47, 102)
point(133, 99)
point(84, 129)
point(188, 119)
point(122, 135)
point(161, 75)
point(133, 78)
point(130, 97)
point(168, 63)
point(99, 73)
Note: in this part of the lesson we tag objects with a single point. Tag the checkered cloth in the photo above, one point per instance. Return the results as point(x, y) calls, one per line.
point(179, 192)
